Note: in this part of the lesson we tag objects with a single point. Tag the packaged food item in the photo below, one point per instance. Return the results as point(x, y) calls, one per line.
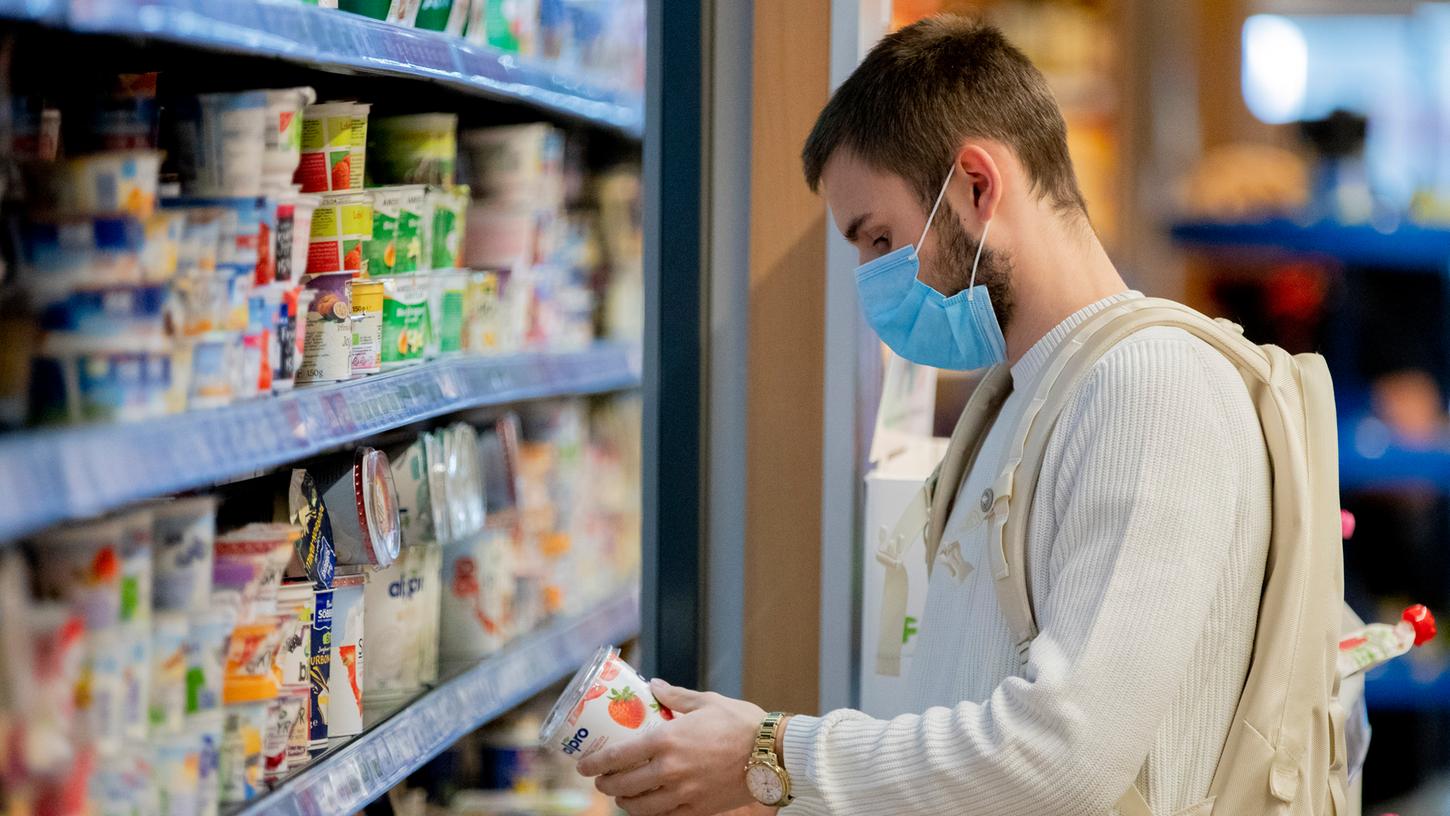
point(82, 566)
point(77, 379)
point(327, 337)
point(294, 614)
point(176, 773)
point(240, 762)
point(126, 119)
point(207, 727)
point(183, 535)
point(326, 159)
point(442, 15)
point(283, 136)
point(358, 163)
point(1377, 643)
point(477, 596)
point(465, 477)
point(397, 622)
point(168, 673)
point(345, 706)
point(483, 329)
point(607, 701)
point(406, 321)
point(380, 253)
point(342, 224)
point(320, 677)
point(449, 206)
point(447, 295)
point(251, 655)
point(368, 310)
point(430, 602)
point(135, 641)
point(315, 558)
point(215, 357)
point(205, 650)
point(417, 149)
point(298, 739)
point(296, 244)
point(103, 677)
point(362, 505)
point(267, 547)
point(439, 476)
point(415, 501)
point(230, 133)
point(283, 714)
point(121, 181)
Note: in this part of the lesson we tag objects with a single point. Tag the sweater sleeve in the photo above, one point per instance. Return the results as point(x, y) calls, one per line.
point(1145, 509)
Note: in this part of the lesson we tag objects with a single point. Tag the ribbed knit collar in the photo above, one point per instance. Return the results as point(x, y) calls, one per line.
point(1027, 367)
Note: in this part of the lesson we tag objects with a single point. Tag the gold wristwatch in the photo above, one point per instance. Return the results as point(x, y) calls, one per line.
point(764, 775)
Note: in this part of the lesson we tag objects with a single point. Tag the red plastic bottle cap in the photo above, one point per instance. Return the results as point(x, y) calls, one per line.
point(1346, 524)
point(1423, 621)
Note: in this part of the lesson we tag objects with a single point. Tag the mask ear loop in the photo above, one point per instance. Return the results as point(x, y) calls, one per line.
point(939, 196)
point(971, 285)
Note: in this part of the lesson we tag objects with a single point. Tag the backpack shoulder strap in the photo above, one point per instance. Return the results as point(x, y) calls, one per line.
point(926, 514)
point(1026, 448)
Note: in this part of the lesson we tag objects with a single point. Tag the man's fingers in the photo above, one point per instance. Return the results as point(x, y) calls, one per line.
point(675, 698)
point(654, 803)
point(621, 757)
point(634, 782)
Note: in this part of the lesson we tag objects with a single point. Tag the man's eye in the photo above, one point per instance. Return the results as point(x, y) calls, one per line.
point(882, 243)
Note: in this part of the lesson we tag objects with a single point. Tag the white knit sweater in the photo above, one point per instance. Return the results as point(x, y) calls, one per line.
point(1145, 552)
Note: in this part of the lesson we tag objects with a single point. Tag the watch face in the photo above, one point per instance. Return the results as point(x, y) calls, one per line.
point(765, 784)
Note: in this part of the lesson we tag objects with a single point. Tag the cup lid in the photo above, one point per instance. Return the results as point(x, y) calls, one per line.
point(574, 692)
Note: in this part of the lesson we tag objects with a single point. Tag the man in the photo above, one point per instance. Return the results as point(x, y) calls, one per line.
point(1149, 529)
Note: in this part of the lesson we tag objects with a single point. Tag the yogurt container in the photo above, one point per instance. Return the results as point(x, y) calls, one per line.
point(483, 328)
point(294, 615)
point(415, 502)
point(240, 762)
point(315, 558)
point(77, 379)
point(183, 535)
point(345, 702)
point(320, 677)
point(466, 488)
point(282, 717)
point(327, 335)
point(407, 324)
point(205, 650)
point(294, 234)
point(376, 9)
point(266, 548)
point(103, 675)
point(168, 674)
point(82, 566)
point(447, 295)
point(176, 773)
point(207, 728)
point(398, 605)
point(342, 225)
point(231, 136)
point(368, 306)
point(607, 701)
point(417, 149)
point(135, 643)
point(450, 210)
point(122, 181)
point(381, 251)
point(216, 357)
point(443, 15)
point(325, 163)
point(282, 138)
point(358, 163)
point(477, 596)
point(362, 505)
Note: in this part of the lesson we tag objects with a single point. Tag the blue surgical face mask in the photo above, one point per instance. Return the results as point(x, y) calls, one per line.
point(918, 322)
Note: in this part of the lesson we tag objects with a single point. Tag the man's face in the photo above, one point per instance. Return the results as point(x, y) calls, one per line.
point(879, 212)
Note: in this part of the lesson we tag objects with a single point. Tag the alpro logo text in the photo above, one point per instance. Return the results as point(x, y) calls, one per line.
point(574, 743)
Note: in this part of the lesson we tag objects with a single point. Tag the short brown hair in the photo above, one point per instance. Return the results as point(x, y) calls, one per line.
point(925, 88)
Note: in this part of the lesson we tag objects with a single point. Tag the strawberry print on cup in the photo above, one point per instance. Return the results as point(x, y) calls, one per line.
point(606, 701)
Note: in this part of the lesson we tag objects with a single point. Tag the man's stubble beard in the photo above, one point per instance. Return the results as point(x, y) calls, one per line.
point(957, 250)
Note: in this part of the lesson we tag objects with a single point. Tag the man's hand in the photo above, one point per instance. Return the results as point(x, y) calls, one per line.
point(691, 766)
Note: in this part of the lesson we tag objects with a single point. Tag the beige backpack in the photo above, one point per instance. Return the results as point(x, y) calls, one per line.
point(1285, 752)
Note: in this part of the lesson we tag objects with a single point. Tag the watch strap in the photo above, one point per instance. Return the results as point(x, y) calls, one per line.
point(765, 735)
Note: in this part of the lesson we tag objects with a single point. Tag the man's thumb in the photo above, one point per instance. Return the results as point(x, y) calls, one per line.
point(678, 699)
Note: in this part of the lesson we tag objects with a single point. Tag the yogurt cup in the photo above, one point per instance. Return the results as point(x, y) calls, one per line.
point(450, 16)
point(207, 728)
point(320, 676)
point(282, 717)
point(342, 224)
point(294, 233)
point(358, 164)
point(325, 163)
point(409, 464)
point(450, 213)
point(438, 485)
point(240, 762)
point(282, 138)
point(205, 649)
point(176, 773)
point(168, 674)
point(295, 603)
point(327, 334)
point(216, 357)
point(183, 535)
point(362, 505)
point(465, 489)
point(77, 379)
point(607, 701)
point(376, 9)
point(406, 319)
point(230, 146)
point(397, 611)
point(483, 330)
point(381, 250)
point(368, 306)
point(417, 149)
point(82, 566)
point(135, 644)
point(345, 703)
point(448, 295)
point(266, 548)
point(477, 594)
point(122, 181)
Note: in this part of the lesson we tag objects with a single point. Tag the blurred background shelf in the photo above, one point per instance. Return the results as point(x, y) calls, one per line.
point(365, 768)
point(53, 475)
point(1371, 459)
point(335, 40)
point(1409, 684)
point(1405, 247)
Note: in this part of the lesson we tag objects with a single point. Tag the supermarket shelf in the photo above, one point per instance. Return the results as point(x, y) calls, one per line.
point(328, 38)
point(1370, 459)
point(1405, 247)
point(52, 475)
point(1408, 684)
point(365, 768)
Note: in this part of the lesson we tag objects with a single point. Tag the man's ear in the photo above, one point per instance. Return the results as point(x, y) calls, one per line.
point(983, 189)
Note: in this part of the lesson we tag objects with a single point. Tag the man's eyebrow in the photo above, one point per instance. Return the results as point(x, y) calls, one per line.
point(854, 227)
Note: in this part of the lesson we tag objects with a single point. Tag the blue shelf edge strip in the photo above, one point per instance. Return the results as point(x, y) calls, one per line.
point(49, 476)
point(1406, 246)
point(364, 769)
point(330, 38)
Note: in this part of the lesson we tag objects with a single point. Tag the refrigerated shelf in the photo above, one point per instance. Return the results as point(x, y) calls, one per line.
point(49, 476)
point(1406, 246)
point(362, 770)
point(331, 39)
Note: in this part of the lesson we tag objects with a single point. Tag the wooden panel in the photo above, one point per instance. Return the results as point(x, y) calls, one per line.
point(790, 83)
